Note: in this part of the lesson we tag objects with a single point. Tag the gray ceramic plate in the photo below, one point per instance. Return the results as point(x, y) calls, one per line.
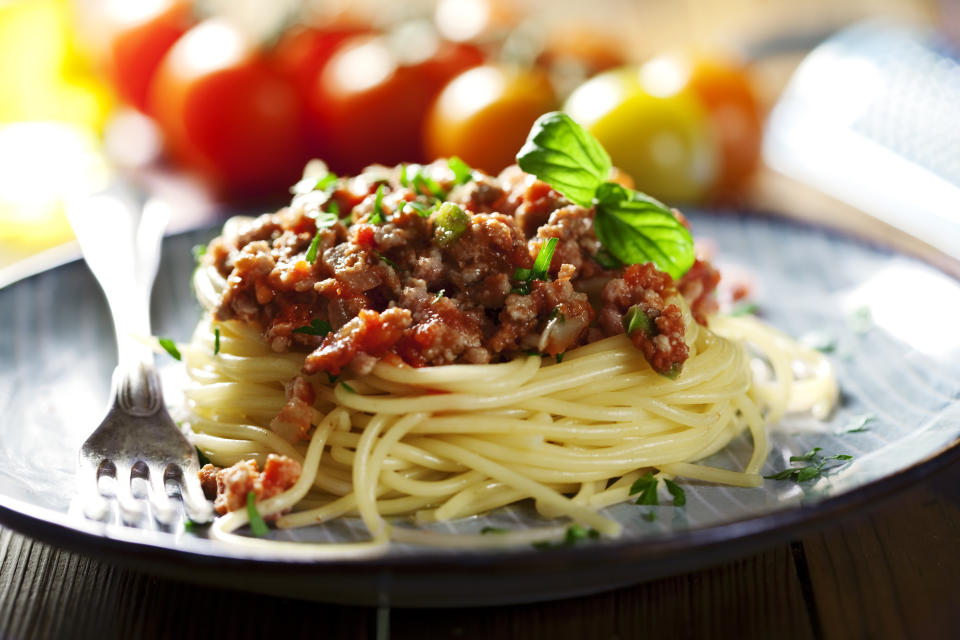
point(889, 322)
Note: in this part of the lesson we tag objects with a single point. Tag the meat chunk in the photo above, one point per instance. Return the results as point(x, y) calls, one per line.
point(370, 333)
point(296, 417)
point(229, 487)
point(660, 337)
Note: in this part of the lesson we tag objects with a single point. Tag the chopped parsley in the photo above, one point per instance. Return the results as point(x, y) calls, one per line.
point(216, 340)
point(258, 527)
point(377, 217)
point(312, 251)
point(202, 457)
point(347, 387)
point(646, 486)
point(559, 357)
point(679, 495)
point(412, 175)
point(332, 378)
point(169, 346)
point(820, 340)
point(745, 309)
point(439, 294)
point(649, 516)
point(632, 226)
point(317, 327)
point(540, 270)
point(810, 471)
point(858, 424)
point(326, 182)
point(488, 530)
point(461, 170)
point(575, 533)
point(199, 250)
point(636, 319)
point(386, 260)
point(423, 210)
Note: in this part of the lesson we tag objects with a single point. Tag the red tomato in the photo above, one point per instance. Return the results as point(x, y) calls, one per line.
point(734, 111)
point(226, 112)
point(302, 54)
point(139, 41)
point(370, 103)
point(484, 114)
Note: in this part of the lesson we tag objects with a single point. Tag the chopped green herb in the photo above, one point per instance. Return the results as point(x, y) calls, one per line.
point(575, 533)
point(422, 210)
point(347, 387)
point(376, 217)
point(404, 180)
point(202, 458)
point(216, 340)
point(332, 378)
point(449, 223)
point(860, 320)
point(636, 319)
point(199, 250)
point(556, 313)
point(258, 527)
point(461, 170)
point(425, 184)
point(810, 471)
point(632, 226)
point(679, 495)
point(858, 424)
point(326, 181)
point(649, 516)
point(541, 267)
point(747, 308)
point(385, 259)
point(169, 346)
point(312, 250)
point(488, 530)
point(439, 295)
point(317, 327)
point(819, 340)
point(314, 183)
point(190, 526)
point(646, 486)
point(559, 357)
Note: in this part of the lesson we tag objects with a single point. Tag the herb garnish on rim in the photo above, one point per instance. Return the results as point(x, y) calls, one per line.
point(633, 227)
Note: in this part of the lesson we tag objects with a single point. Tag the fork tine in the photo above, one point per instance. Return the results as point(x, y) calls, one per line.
point(198, 507)
point(93, 505)
point(131, 509)
point(163, 509)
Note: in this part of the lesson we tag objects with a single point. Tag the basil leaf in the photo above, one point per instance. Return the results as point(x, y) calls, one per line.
point(636, 229)
point(564, 155)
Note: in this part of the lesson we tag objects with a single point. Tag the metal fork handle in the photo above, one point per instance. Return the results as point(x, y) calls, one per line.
point(122, 249)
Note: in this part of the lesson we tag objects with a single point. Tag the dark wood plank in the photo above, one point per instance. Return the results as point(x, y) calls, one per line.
point(893, 572)
point(49, 593)
point(757, 597)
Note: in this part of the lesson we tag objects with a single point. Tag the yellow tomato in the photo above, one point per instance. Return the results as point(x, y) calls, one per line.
point(654, 129)
point(484, 114)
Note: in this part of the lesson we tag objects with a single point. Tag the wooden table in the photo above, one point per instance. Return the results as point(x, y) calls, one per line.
point(890, 571)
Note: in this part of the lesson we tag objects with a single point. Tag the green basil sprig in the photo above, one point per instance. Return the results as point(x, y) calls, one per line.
point(632, 226)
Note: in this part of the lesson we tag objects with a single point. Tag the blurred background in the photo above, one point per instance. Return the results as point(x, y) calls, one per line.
point(215, 105)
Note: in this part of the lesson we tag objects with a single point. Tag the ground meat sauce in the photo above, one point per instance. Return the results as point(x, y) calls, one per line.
point(435, 285)
point(228, 487)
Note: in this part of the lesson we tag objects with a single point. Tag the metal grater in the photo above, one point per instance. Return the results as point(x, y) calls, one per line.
point(872, 117)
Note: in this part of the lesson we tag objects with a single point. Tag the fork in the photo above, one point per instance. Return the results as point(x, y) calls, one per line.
point(137, 438)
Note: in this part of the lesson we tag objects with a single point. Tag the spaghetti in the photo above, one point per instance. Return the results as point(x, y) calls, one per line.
point(446, 442)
